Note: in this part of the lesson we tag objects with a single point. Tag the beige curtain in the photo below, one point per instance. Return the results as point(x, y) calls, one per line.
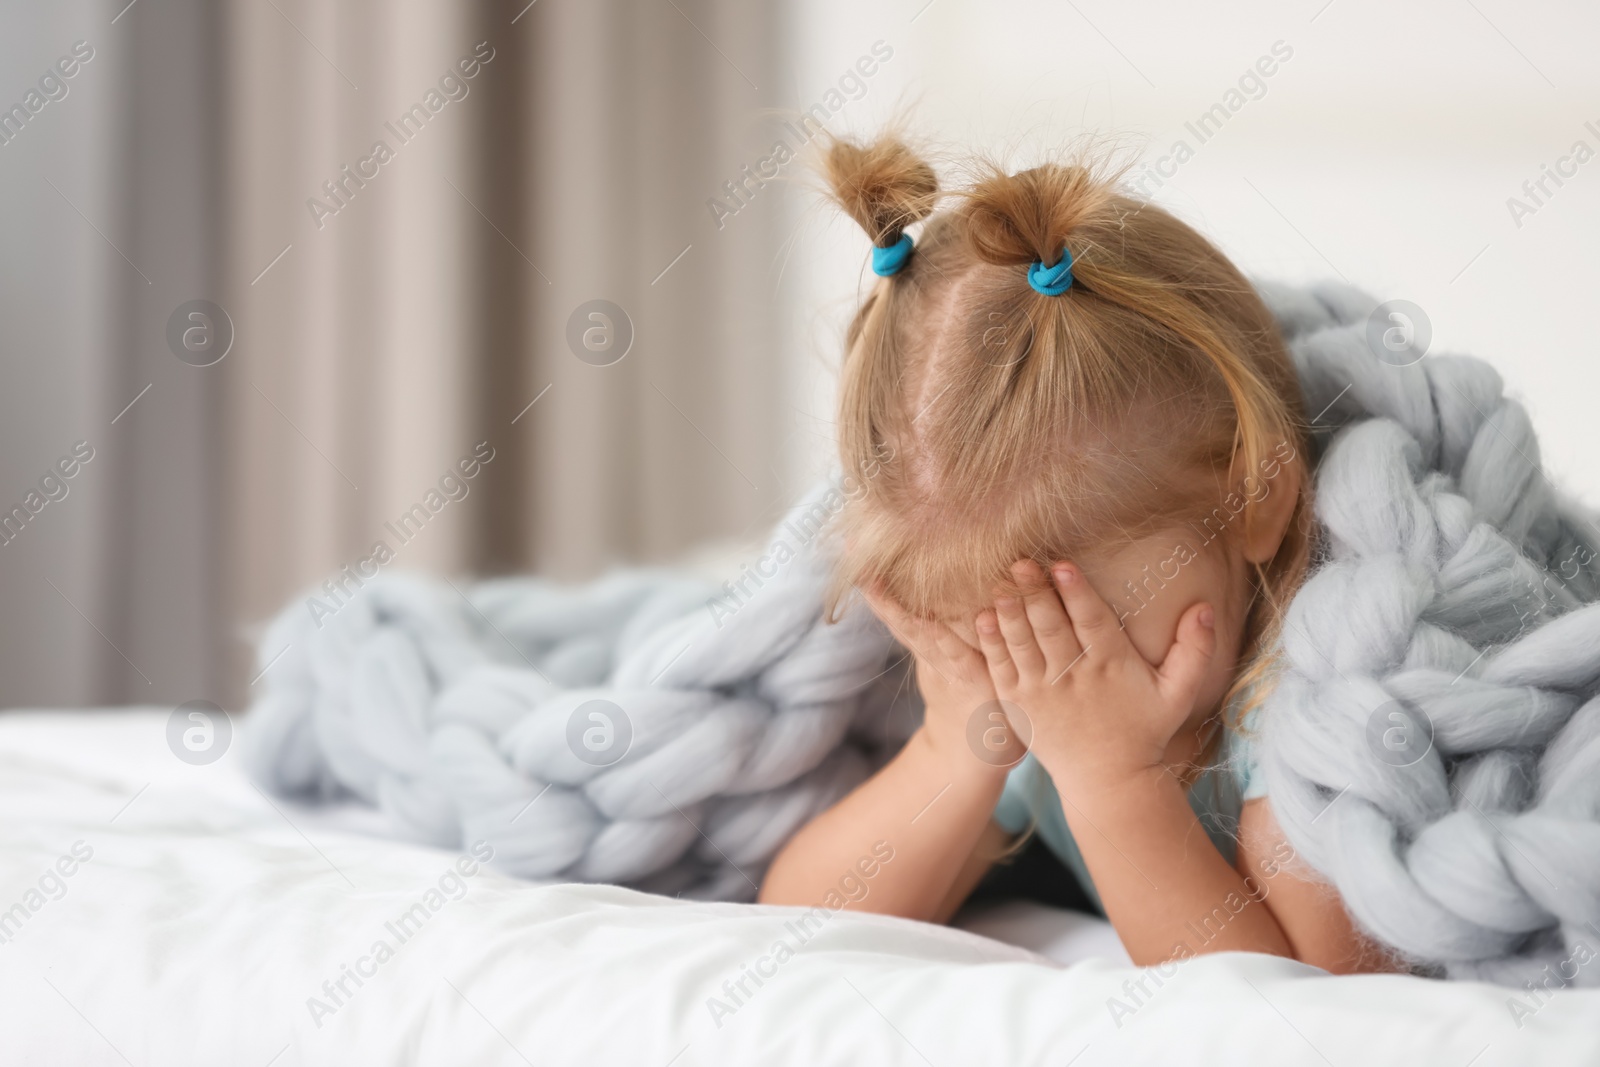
point(424, 305)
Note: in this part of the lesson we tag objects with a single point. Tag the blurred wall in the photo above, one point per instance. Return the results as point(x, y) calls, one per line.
point(524, 282)
point(111, 218)
point(477, 234)
point(1384, 150)
point(626, 151)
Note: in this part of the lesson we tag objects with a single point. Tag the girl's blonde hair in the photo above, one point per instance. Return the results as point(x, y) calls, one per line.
point(1018, 425)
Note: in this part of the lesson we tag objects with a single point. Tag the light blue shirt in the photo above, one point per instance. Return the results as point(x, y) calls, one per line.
point(1217, 798)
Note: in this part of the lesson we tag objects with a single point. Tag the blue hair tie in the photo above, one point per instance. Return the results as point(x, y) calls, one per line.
point(887, 261)
point(1052, 281)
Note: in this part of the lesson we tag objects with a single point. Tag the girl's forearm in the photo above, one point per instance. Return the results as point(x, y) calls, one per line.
point(1167, 890)
point(927, 809)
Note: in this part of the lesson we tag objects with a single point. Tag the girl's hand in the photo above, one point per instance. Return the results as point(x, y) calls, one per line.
point(1099, 711)
point(962, 716)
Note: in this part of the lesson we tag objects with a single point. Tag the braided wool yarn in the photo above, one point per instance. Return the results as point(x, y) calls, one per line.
point(1432, 744)
point(727, 716)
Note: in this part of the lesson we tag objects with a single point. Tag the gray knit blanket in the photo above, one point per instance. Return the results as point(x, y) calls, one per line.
point(1431, 748)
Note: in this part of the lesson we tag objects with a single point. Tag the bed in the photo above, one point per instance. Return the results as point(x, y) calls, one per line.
point(158, 912)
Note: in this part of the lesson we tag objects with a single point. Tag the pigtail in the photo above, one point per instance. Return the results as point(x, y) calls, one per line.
point(1016, 219)
point(885, 186)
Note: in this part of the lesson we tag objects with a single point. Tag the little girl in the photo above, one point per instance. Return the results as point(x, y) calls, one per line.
point(1095, 510)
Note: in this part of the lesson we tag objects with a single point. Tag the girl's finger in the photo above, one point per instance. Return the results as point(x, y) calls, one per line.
point(923, 637)
point(1048, 617)
point(995, 653)
point(1018, 634)
point(887, 609)
point(1092, 620)
point(1184, 669)
point(908, 629)
point(959, 655)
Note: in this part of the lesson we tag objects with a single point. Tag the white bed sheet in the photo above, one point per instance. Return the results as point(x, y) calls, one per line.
point(208, 916)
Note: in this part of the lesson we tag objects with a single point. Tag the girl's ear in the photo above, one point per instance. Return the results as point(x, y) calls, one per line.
point(1271, 502)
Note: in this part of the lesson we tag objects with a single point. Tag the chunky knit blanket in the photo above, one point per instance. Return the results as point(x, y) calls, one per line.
point(648, 729)
point(1431, 745)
